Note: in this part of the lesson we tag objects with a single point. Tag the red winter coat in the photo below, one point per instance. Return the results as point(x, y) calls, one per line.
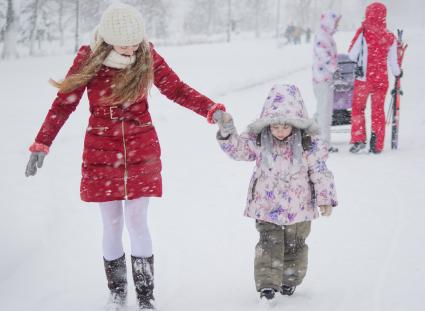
point(379, 41)
point(121, 158)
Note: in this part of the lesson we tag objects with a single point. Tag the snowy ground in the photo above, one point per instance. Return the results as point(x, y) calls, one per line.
point(367, 256)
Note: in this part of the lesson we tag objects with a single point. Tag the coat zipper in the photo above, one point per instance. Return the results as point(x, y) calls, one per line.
point(125, 162)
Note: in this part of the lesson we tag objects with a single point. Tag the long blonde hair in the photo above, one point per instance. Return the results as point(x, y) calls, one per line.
point(128, 85)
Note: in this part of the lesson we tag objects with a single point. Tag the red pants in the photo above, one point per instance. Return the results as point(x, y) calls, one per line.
point(358, 125)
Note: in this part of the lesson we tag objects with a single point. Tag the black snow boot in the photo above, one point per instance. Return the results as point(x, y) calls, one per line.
point(333, 149)
point(116, 274)
point(287, 290)
point(356, 147)
point(373, 144)
point(143, 281)
point(267, 293)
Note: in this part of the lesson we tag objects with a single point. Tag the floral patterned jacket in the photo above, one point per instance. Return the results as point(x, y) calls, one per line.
point(284, 193)
point(324, 49)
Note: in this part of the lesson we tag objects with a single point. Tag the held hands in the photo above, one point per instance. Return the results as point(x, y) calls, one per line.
point(337, 75)
point(225, 123)
point(325, 210)
point(36, 160)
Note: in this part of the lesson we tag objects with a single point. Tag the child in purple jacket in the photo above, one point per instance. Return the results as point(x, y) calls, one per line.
point(289, 183)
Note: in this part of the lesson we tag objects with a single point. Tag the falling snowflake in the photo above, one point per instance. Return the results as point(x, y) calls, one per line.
point(71, 99)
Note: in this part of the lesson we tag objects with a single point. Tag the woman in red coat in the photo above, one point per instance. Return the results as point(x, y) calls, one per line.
point(373, 47)
point(121, 160)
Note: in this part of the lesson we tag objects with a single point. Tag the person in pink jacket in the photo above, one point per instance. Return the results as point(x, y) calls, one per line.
point(289, 183)
point(324, 68)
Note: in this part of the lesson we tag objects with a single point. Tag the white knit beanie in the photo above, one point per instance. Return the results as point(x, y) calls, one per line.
point(121, 25)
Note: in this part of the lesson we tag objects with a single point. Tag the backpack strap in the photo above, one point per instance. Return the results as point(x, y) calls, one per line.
point(306, 140)
point(258, 140)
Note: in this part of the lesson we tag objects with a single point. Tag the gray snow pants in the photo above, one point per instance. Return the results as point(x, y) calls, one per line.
point(281, 255)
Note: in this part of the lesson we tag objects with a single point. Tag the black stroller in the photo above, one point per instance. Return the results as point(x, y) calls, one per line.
point(343, 93)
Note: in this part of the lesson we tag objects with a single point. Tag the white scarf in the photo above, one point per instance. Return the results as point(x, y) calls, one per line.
point(114, 59)
point(118, 61)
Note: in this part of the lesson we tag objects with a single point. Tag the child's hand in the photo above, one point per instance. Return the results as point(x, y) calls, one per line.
point(225, 123)
point(325, 210)
point(227, 117)
point(218, 116)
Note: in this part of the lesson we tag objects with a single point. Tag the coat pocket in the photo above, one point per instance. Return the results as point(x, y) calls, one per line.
point(139, 127)
point(97, 130)
point(147, 124)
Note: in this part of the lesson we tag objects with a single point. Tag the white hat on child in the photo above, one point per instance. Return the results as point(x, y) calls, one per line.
point(121, 25)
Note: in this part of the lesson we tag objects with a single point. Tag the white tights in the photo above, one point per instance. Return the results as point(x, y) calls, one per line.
point(136, 221)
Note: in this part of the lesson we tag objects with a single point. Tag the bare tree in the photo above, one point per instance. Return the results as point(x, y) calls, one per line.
point(39, 23)
point(77, 25)
point(229, 20)
point(61, 10)
point(304, 9)
point(155, 13)
point(301, 11)
point(278, 3)
point(210, 13)
point(33, 31)
point(257, 18)
point(198, 18)
point(3, 9)
point(11, 33)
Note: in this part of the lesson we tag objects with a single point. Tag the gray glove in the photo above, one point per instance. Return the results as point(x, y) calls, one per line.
point(218, 116)
point(326, 210)
point(36, 160)
point(225, 123)
point(337, 75)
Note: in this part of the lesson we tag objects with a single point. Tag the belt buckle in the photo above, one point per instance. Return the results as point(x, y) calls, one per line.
point(111, 112)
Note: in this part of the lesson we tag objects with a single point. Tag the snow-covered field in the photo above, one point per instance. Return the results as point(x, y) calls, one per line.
point(368, 256)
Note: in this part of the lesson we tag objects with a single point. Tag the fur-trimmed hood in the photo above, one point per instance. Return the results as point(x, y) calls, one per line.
point(284, 105)
point(328, 21)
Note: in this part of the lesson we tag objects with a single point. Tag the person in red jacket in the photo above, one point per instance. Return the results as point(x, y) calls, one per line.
point(121, 159)
point(373, 47)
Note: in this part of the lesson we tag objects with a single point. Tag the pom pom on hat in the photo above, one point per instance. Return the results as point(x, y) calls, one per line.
point(121, 25)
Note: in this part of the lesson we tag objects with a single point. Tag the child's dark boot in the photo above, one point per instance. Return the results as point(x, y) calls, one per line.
point(287, 290)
